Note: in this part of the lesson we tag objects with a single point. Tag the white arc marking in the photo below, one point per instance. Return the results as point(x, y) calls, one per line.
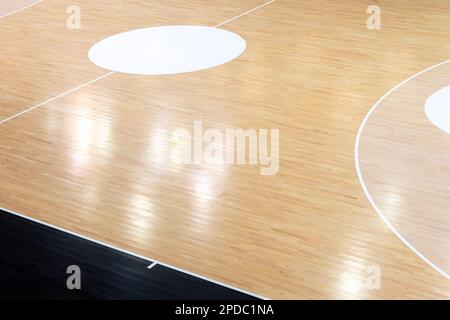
point(363, 184)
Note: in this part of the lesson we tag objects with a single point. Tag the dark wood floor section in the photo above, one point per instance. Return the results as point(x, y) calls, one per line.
point(34, 259)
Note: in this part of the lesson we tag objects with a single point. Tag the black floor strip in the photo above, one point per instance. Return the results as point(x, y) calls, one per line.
point(34, 262)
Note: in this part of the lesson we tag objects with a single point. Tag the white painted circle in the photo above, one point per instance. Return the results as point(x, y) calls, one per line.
point(437, 109)
point(167, 50)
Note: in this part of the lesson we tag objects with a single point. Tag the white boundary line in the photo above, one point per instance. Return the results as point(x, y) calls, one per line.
point(362, 182)
point(57, 97)
point(111, 72)
point(21, 9)
point(243, 14)
point(153, 262)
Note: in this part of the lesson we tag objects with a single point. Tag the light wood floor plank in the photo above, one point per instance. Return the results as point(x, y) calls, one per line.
point(98, 161)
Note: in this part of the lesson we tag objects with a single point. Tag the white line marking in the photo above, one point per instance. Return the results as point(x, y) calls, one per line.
point(112, 72)
point(154, 264)
point(102, 243)
point(243, 14)
point(57, 97)
point(361, 179)
point(21, 9)
point(153, 261)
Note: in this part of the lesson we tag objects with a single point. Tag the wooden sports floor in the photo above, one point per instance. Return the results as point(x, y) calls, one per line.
point(91, 152)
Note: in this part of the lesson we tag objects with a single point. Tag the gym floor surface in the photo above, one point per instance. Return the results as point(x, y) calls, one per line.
point(360, 189)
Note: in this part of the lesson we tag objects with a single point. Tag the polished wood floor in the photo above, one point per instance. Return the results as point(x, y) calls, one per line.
point(404, 162)
point(8, 7)
point(97, 160)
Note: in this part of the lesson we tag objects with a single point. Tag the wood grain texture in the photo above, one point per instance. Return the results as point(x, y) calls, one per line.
point(35, 258)
point(8, 7)
point(97, 161)
point(404, 162)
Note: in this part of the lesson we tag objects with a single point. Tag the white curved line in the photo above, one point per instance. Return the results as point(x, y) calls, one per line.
point(361, 179)
point(21, 9)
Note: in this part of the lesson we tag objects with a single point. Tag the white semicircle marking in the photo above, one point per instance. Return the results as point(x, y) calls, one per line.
point(437, 109)
point(362, 181)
